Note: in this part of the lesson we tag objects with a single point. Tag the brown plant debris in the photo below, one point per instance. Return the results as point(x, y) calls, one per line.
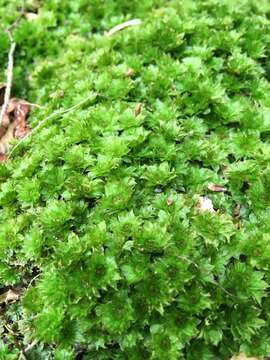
point(9, 296)
point(14, 124)
point(122, 26)
point(216, 187)
point(13, 112)
point(138, 109)
point(7, 90)
point(169, 201)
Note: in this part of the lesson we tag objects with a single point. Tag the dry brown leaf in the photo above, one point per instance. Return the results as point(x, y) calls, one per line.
point(14, 125)
point(205, 204)
point(5, 121)
point(138, 109)
point(10, 295)
point(243, 356)
point(11, 105)
point(216, 187)
point(3, 158)
point(21, 112)
point(7, 138)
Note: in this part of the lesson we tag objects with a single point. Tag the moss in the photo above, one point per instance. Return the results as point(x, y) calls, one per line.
point(102, 200)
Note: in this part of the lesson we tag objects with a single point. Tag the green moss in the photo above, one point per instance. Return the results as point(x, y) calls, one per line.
point(102, 201)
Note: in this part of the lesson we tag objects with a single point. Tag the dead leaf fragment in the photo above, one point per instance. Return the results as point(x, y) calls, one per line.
point(8, 296)
point(11, 105)
point(138, 109)
point(14, 124)
point(243, 356)
point(20, 115)
point(5, 121)
point(3, 158)
point(216, 187)
point(169, 201)
point(205, 204)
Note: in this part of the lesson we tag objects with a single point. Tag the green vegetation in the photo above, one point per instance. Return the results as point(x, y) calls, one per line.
point(102, 202)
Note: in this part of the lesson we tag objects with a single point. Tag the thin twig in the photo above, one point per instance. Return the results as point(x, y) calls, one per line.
point(222, 288)
point(26, 349)
point(29, 103)
point(35, 105)
point(15, 22)
point(9, 80)
point(122, 26)
point(33, 279)
point(22, 356)
point(54, 115)
point(30, 346)
point(10, 63)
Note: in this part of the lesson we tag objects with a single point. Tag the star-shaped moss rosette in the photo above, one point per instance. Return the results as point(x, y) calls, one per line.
point(142, 202)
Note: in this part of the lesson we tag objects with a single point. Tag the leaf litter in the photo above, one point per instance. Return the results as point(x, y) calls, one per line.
point(9, 296)
point(14, 124)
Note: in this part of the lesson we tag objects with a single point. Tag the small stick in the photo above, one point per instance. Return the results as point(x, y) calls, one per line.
point(10, 62)
point(35, 105)
point(122, 26)
point(33, 279)
point(29, 103)
point(9, 80)
point(26, 349)
point(30, 346)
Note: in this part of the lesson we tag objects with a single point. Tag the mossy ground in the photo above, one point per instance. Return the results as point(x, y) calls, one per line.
point(102, 202)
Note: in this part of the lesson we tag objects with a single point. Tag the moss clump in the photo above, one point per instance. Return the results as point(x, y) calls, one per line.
point(102, 200)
